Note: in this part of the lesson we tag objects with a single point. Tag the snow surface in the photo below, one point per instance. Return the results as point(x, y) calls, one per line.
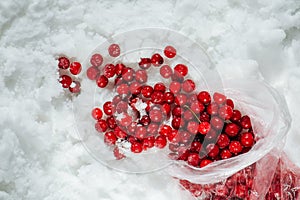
point(41, 156)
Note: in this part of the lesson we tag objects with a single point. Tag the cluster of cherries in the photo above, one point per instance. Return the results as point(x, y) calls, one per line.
point(241, 186)
point(67, 74)
point(197, 127)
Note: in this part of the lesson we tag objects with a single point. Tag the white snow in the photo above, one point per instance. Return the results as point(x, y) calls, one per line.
point(41, 156)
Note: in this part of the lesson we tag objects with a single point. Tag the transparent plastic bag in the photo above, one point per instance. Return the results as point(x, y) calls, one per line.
point(270, 119)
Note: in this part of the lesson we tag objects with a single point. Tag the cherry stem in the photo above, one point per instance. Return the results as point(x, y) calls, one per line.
point(185, 106)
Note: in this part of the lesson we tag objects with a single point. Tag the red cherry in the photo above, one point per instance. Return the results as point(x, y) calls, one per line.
point(102, 81)
point(147, 91)
point(141, 76)
point(172, 135)
point(246, 122)
point(247, 139)
point(195, 146)
point(165, 130)
point(148, 142)
point(193, 159)
point(109, 70)
point(232, 129)
point(145, 120)
point(177, 77)
point(217, 122)
point(65, 81)
point(111, 122)
point(240, 191)
point(157, 97)
point(175, 87)
point(118, 155)
point(204, 128)
point(101, 125)
point(204, 117)
point(184, 155)
point(135, 88)
point(230, 103)
point(152, 129)
point(119, 69)
point(92, 73)
point(114, 50)
point(131, 128)
point(176, 121)
point(212, 150)
point(219, 98)
point(145, 63)
point(192, 127)
point(205, 162)
point(225, 112)
point(188, 115)
point(181, 69)
point(75, 87)
point(96, 60)
point(75, 68)
point(120, 133)
point(235, 147)
point(170, 52)
point(141, 132)
point(107, 108)
point(166, 71)
point(121, 107)
point(212, 108)
point(185, 136)
point(169, 97)
point(97, 113)
point(236, 116)
point(157, 60)
point(177, 111)
point(188, 86)
point(128, 74)
point(223, 141)
point(156, 115)
point(159, 87)
point(110, 138)
point(136, 147)
point(181, 99)
point(63, 63)
point(225, 154)
point(166, 108)
point(204, 97)
point(197, 107)
point(160, 141)
point(122, 89)
point(126, 120)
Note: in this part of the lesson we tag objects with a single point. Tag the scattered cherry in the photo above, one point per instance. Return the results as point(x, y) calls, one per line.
point(170, 52)
point(157, 60)
point(75, 68)
point(65, 81)
point(96, 60)
point(166, 71)
point(114, 50)
point(63, 63)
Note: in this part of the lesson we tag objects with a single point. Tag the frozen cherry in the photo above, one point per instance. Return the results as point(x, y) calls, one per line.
point(147, 91)
point(235, 147)
point(246, 122)
point(156, 115)
point(205, 162)
point(92, 73)
point(157, 60)
point(141, 76)
point(75, 68)
point(197, 107)
point(223, 141)
point(107, 108)
point(65, 81)
point(219, 98)
point(109, 70)
point(136, 147)
point(63, 63)
point(236, 116)
point(135, 88)
point(232, 129)
point(170, 52)
point(188, 115)
point(212, 108)
point(152, 129)
point(225, 112)
point(110, 138)
point(102, 81)
point(204, 97)
point(118, 155)
point(181, 99)
point(247, 139)
point(141, 132)
point(148, 142)
point(145, 63)
point(212, 150)
point(122, 89)
point(120, 133)
point(128, 74)
point(75, 87)
point(119, 69)
point(188, 86)
point(159, 87)
point(193, 159)
point(114, 50)
point(166, 71)
point(225, 154)
point(181, 69)
point(160, 141)
point(204, 127)
point(97, 113)
point(101, 125)
point(96, 60)
point(192, 127)
point(217, 122)
point(175, 87)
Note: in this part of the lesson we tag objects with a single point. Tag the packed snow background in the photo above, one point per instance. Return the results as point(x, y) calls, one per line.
point(41, 156)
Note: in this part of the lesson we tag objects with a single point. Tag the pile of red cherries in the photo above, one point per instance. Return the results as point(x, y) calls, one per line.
point(196, 126)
